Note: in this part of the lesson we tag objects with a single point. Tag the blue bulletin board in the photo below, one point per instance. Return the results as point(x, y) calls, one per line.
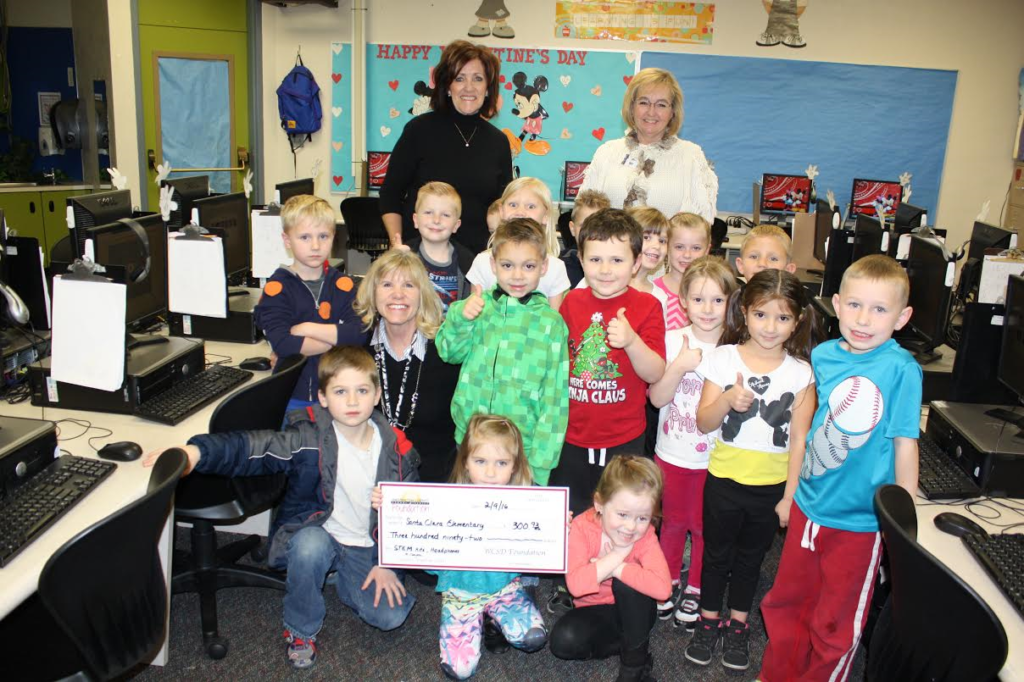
point(340, 117)
point(583, 99)
point(754, 116)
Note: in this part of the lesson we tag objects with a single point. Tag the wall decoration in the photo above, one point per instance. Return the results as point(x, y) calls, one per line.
point(783, 23)
point(657, 22)
point(556, 105)
point(491, 11)
point(341, 179)
point(850, 120)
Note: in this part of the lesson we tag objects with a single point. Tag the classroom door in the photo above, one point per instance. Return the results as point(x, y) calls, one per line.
point(193, 60)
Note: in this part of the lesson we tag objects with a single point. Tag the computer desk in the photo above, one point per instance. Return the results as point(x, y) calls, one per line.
point(951, 551)
point(20, 578)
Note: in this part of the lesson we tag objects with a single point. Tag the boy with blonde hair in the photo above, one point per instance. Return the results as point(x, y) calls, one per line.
point(512, 348)
point(587, 203)
point(436, 217)
point(863, 435)
point(306, 307)
point(335, 454)
point(766, 247)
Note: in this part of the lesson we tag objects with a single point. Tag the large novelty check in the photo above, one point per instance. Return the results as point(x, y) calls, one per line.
point(473, 527)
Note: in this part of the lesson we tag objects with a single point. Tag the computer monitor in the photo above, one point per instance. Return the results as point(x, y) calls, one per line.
point(983, 237)
point(117, 244)
point(227, 215)
point(785, 194)
point(90, 210)
point(573, 174)
point(826, 219)
point(378, 168)
point(292, 188)
point(1011, 353)
point(867, 238)
point(867, 195)
point(930, 269)
point(909, 217)
point(186, 191)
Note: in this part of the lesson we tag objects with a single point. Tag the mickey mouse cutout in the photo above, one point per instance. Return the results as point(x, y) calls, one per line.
point(421, 104)
point(528, 107)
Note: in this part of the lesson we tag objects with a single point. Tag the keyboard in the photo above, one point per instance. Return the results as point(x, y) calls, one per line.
point(1003, 557)
point(939, 477)
point(40, 501)
point(191, 395)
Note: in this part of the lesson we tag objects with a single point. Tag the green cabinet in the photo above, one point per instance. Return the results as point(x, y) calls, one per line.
point(39, 214)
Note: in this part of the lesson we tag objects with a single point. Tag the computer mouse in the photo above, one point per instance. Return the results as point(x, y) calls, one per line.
point(259, 364)
point(123, 451)
point(958, 525)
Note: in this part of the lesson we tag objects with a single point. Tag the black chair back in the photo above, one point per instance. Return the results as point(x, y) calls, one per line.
point(105, 587)
point(260, 405)
point(934, 626)
point(364, 225)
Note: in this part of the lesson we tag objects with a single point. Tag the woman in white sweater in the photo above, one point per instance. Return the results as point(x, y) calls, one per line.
point(650, 165)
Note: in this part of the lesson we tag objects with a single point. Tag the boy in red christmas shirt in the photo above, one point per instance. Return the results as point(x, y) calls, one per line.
point(616, 350)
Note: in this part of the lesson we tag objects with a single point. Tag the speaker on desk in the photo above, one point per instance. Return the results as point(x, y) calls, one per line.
point(975, 374)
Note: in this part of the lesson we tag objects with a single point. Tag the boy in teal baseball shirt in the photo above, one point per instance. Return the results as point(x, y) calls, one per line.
point(513, 349)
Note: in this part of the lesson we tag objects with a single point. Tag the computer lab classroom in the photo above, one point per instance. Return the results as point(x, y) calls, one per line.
point(889, 127)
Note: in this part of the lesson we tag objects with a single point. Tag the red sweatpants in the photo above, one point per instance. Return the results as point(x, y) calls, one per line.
point(816, 610)
point(682, 505)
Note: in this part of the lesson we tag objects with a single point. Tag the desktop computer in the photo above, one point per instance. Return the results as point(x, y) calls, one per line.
point(185, 191)
point(782, 197)
point(238, 327)
point(88, 211)
point(930, 269)
point(286, 190)
point(27, 446)
point(868, 197)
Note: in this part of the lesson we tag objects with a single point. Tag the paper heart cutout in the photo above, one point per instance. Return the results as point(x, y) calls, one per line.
point(336, 111)
point(508, 86)
point(627, 79)
point(501, 79)
point(598, 133)
point(565, 80)
point(336, 77)
point(337, 146)
point(596, 91)
point(393, 85)
point(631, 57)
point(337, 179)
point(567, 107)
point(336, 48)
point(385, 131)
point(566, 135)
point(759, 384)
point(394, 113)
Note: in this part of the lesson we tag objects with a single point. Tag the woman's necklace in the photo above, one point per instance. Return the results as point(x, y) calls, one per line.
point(382, 368)
point(467, 141)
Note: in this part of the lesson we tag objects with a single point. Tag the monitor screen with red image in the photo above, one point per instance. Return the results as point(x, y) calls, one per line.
point(785, 194)
point(574, 174)
point(870, 196)
point(378, 165)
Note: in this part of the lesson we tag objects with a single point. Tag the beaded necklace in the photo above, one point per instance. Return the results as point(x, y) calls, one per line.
point(382, 368)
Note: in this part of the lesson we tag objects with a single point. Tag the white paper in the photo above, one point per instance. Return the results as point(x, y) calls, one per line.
point(473, 527)
point(87, 342)
point(46, 290)
point(196, 281)
point(268, 252)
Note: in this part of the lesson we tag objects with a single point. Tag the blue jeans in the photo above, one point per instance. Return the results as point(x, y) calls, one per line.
point(312, 553)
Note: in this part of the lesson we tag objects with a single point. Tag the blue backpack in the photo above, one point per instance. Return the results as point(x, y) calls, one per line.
point(298, 103)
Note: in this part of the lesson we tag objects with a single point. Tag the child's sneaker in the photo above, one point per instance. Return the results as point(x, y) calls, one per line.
point(688, 610)
point(735, 645)
point(706, 637)
point(560, 602)
point(301, 652)
point(494, 638)
point(666, 608)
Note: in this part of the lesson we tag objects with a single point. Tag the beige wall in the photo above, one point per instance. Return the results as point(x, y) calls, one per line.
point(124, 129)
point(39, 13)
point(979, 40)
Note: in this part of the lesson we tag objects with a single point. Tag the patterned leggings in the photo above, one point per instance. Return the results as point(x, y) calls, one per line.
point(462, 615)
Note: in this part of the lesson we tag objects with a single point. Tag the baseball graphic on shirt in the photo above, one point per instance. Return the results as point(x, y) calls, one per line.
point(822, 455)
point(838, 438)
point(855, 405)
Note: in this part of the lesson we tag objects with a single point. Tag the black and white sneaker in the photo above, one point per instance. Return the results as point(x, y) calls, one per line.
point(704, 642)
point(560, 602)
point(688, 610)
point(735, 645)
point(665, 608)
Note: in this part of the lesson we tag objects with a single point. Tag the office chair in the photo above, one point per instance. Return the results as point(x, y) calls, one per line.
point(719, 231)
point(933, 626)
point(205, 500)
point(366, 231)
point(102, 597)
point(568, 241)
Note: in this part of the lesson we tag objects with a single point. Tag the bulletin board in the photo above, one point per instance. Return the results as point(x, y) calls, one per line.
point(753, 116)
point(341, 118)
point(583, 100)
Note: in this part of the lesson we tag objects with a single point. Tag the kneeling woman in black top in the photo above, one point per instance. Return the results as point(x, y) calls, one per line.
point(398, 304)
